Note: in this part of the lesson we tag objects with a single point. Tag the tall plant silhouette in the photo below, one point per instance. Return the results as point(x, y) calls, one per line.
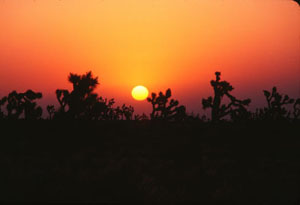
point(83, 103)
point(78, 103)
point(18, 104)
point(276, 103)
point(165, 109)
point(236, 108)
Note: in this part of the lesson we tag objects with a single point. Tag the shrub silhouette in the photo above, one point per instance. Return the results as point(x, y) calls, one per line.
point(275, 109)
point(78, 103)
point(236, 108)
point(103, 110)
point(83, 103)
point(81, 98)
point(142, 117)
point(164, 109)
point(18, 104)
point(124, 112)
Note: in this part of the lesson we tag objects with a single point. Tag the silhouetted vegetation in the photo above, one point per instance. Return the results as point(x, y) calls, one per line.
point(21, 104)
point(83, 103)
point(90, 151)
point(275, 109)
point(141, 117)
point(236, 108)
point(165, 109)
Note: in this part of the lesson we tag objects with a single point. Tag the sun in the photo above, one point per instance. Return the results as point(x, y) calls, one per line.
point(139, 92)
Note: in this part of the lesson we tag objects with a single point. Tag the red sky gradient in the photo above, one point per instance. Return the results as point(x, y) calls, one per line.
point(155, 43)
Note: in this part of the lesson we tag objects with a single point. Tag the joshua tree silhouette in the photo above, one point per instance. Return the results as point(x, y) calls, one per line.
point(163, 110)
point(22, 103)
point(276, 103)
point(125, 112)
point(236, 108)
point(81, 99)
point(83, 103)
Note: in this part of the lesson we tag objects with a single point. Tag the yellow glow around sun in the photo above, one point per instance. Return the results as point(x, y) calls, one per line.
point(139, 92)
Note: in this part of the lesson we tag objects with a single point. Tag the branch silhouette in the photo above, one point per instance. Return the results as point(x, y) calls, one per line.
point(21, 104)
point(236, 108)
point(164, 109)
point(83, 103)
point(275, 109)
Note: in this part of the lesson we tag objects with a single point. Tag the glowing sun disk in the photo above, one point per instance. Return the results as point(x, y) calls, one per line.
point(139, 92)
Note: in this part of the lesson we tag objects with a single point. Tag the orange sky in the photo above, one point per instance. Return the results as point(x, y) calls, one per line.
point(155, 43)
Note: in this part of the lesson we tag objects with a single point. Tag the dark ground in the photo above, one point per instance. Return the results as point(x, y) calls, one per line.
point(128, 161)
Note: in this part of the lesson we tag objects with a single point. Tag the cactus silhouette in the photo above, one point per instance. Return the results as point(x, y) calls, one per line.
point(276, 103)
point(103, 109)
point(18, 104)
point(122, 113)
point(77, 103)
point(236, 108)
point(127, 112)
point(164, 109)
point(82, 95)
point(83, 103)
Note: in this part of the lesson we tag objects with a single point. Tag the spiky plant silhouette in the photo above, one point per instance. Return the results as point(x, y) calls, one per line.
point(22, 104)
point(125, 112)
point(83, 103)
point(276, 103)
point(236, 108)
point(78, 103)
point(165, 109)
